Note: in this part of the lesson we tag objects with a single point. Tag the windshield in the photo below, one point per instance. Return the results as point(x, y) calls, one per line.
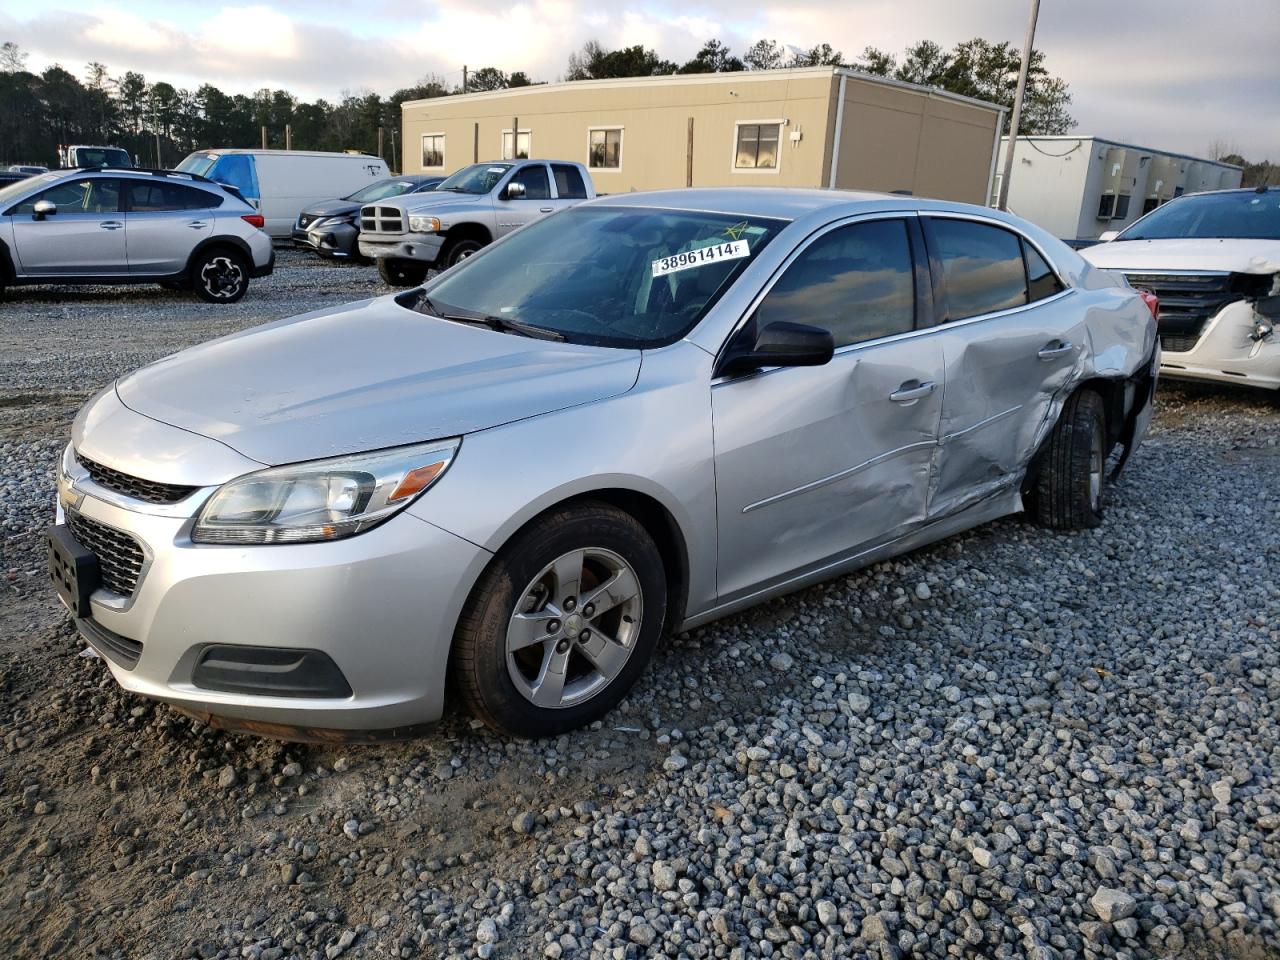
point(381, 190)
point(1246, 216)
point(477, 178)
point(607, 276)
point(197, 163)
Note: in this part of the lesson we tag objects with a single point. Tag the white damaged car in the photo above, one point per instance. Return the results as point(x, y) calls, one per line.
point(1213, 260)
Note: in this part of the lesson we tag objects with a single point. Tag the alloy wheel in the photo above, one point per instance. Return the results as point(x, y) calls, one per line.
point(222, 277)
point(574, 628)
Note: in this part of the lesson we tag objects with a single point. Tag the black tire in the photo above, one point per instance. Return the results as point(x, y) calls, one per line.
point(479, 662)
point(458, 250)
point(220, 275)
point(401, 273)
point(1072, 466)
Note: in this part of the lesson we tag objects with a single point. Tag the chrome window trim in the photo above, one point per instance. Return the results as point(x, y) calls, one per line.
point(894, 337)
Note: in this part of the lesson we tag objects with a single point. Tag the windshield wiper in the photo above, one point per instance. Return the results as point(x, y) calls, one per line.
point(501, 324)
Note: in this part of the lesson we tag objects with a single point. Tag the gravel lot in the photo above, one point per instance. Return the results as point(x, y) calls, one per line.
point(1015, 743)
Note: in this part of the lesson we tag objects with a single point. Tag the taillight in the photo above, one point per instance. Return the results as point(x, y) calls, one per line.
point(1149, 298)
point(254, 220)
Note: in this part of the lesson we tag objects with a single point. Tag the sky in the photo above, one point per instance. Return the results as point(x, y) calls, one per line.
point(1172, 74)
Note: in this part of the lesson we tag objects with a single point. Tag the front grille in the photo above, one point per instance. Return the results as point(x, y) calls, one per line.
point(1187, 301)
point(136, 487)
point(119, 555)
point(375, 219)
point(306, 219)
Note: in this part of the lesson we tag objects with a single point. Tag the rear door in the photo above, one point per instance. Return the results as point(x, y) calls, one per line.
point(537, 200)
point(814, 464)
point(86, 236)
point(163, 223)
point(1011, 337)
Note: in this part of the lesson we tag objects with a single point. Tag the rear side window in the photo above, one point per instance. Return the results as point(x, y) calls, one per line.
point(162, 197)
point(1041, 280)
point(536, 184)
point(981, 266)
point(236, 169)
point(856, 281)
point(569, 185)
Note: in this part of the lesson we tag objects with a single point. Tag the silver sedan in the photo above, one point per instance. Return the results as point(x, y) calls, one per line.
point(625, 420)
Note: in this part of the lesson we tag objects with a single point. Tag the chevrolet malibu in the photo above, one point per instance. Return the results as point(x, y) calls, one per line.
point(624, 420)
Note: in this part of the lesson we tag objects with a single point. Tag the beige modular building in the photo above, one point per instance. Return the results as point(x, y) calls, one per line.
point(1078, 187)
point(807, 127)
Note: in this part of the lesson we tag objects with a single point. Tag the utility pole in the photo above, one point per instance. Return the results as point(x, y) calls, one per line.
point(464, 78)
point(288, 136)
point(380, 135)
point(1017, 104)
point(264, 136)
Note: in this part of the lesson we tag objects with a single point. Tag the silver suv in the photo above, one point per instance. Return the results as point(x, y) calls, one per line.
point(132, 226)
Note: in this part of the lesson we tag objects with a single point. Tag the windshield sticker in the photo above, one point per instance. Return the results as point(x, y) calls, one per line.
point(496, 170)
point(736, 231)
point(733, 250)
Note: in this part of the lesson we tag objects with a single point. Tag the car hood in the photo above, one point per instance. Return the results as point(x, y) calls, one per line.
point(331, 208)
point(1228, 256)
point(431, 202)
point(365, 376)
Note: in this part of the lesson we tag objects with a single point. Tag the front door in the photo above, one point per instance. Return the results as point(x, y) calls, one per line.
point(814, 464)
point(1011, 338)
point(85, 237)
point(164, 222)
point(515, 211)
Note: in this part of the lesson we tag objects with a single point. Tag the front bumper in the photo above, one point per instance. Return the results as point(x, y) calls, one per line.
point(380, 607)
point(423, 247)
point(1225, 353)
point(337, 240)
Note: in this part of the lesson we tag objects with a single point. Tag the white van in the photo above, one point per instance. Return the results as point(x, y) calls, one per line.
point(280, 183)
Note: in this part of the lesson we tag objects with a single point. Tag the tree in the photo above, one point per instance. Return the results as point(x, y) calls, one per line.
point(131, 90)
point(519, 79)
point(593, 62)
point(714, 57)
point(876, 62)
point(764, 55)
point(820, 56)
point(487, 78)
point(13, 59)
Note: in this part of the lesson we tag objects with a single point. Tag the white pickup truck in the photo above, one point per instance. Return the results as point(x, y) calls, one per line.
point(409, 235)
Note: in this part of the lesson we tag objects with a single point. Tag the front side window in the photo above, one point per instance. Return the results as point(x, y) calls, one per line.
point(1246, 215)
point(147, 197)
point(630, 277)
point(96, 195)
point(856, 281)
point(981, 265)
point(569, 185)
point(757, 147)
point(433, 151)
point(522, 144)
point(534, 179)
point(605, 151)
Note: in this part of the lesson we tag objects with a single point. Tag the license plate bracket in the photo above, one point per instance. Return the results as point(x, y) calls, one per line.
point(73, 570)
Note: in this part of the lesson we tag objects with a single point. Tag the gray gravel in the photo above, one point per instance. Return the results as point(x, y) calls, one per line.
point(1014, 743)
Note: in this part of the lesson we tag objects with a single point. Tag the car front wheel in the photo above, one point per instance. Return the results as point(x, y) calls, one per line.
point(220, 276)
point(1072, 468)
point(459, 250)
point(562, 622)
point(401, 273)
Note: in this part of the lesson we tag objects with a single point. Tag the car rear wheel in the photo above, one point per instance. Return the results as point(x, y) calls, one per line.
point(401, 273)
point(220, 276)
point(459, 250)
point(1072, 468)
point(562, 623)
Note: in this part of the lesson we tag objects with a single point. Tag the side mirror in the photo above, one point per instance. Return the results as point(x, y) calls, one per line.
point(42, 209)
point(1108, 235)
point(514, 191)
point(779, 344)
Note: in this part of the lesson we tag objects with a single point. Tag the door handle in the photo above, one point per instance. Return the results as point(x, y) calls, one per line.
point(111, 224)
point(1054, 349)
point(912, 390)
point(545, 209)
point(197, 224)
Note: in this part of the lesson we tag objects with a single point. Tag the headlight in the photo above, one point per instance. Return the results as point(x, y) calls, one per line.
point(424, 224)
point(331, 221)
point(323, 499)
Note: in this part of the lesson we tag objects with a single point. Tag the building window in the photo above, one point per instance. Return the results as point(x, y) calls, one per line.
point(1122, 207)
point(1107, 206)
point(1150, 204)
point(523, 144)
point(757, 146)
point(604, 148)
point(433, 151)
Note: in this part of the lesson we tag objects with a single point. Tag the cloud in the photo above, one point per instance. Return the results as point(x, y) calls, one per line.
point(1139, 71)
